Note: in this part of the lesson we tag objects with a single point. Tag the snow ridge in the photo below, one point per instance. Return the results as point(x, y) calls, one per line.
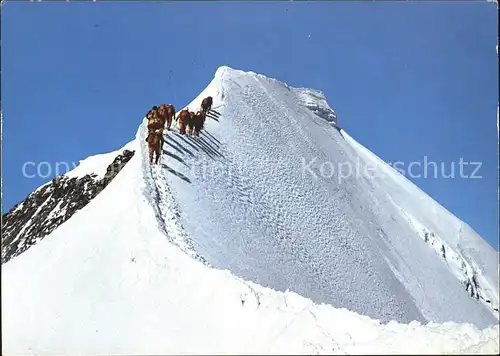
point(167, 212)
point(45, 209)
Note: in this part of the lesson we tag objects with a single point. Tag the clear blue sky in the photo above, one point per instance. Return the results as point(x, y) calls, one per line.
point(407, 79)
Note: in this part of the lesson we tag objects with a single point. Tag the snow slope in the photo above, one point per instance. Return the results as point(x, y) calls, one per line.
point(137, 280)
point(469, 257)
point(118, 286)
point(44, 209)
point(250, 208)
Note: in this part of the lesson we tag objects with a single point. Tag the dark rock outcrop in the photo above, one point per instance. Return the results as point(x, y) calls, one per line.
point(45, 209)
point(116, 166)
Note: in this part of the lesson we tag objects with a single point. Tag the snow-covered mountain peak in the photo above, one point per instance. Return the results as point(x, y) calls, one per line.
point(266, 153)
point(247, 239)
point(222, 70)
point(314, 100)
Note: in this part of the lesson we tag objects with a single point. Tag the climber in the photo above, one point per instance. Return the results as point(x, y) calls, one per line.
point(156, 124)
point(199, 120)
point(170, 115)
point(190, 123)
point(163, 115)
point(182, 119)
point(162, 112)
point(154, 140)
point(150, 112)
point(149, 116)
point(206, 104)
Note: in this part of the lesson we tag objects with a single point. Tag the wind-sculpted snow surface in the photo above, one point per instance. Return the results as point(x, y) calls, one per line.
point(119, 286)
point(261, 200)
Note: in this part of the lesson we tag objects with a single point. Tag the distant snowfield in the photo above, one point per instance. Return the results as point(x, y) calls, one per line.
point(119, 276)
